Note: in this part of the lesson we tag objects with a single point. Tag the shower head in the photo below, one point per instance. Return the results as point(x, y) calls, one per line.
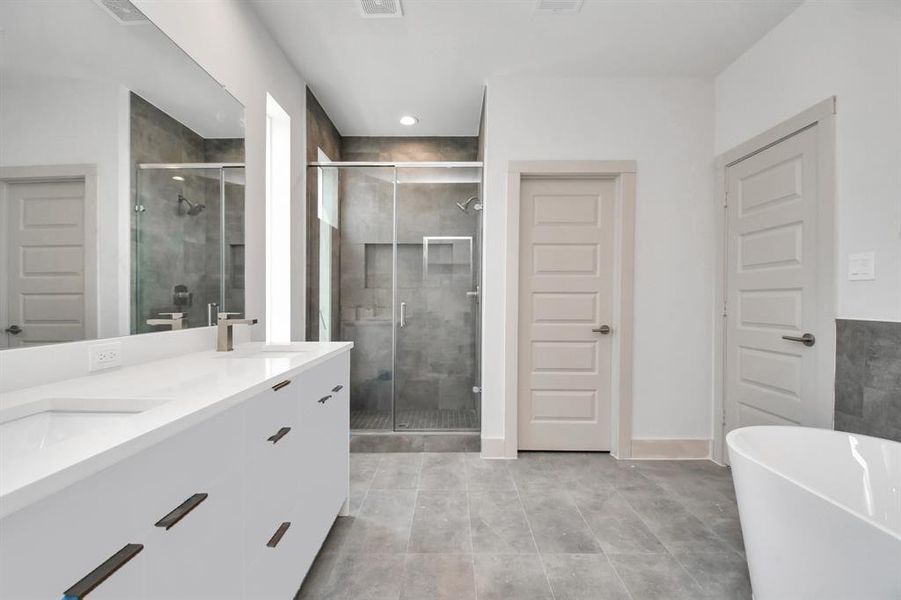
point(464, 206)
point(193, 208)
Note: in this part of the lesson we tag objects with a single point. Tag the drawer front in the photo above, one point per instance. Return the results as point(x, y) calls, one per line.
point(201, 556)
point(48, 546)
point(276, 573)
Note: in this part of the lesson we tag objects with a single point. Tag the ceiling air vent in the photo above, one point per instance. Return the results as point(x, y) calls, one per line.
point(379, 9)
point(123, 11)
point(558, 7)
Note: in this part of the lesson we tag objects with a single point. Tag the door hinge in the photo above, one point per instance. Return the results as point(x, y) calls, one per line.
point(726, 200)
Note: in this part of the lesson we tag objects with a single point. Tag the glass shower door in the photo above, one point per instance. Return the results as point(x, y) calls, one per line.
point(437, 258)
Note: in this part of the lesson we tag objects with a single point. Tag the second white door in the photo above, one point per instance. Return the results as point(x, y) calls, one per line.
point(565, 313)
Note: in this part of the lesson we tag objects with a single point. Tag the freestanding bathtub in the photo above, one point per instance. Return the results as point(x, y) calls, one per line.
point(820, 513)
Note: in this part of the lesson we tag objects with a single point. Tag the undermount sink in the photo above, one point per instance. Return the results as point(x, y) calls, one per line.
point(271, 351)
point(35, 426)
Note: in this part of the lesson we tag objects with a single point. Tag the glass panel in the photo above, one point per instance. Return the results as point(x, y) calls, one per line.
point(365, 206)
point(189, 253)
point(438, 223)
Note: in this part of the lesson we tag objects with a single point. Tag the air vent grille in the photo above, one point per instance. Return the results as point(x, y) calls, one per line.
point(379, 9)
point(558, 7)
point(123, 11)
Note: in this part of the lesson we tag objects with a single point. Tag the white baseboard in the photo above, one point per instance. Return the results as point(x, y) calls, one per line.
point(667, 449)
point(494, 448)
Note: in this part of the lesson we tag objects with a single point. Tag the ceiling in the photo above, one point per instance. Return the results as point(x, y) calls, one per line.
point(434, 62)
point(79, 40)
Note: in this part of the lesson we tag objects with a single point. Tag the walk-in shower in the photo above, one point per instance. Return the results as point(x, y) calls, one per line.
point(409, 239)
point(187, 242)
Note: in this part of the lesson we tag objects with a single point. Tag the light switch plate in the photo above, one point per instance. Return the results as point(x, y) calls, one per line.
point(862, 266)
point(104, 356)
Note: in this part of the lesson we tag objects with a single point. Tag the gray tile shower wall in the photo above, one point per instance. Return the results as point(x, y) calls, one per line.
point(180, 249)
point(868, 378)
point(321, 134)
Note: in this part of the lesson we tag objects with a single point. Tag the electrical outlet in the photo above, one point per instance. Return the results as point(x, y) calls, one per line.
point(104, 356)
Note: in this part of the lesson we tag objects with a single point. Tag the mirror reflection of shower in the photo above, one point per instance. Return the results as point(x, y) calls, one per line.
point(464, 206)
point(193, 208)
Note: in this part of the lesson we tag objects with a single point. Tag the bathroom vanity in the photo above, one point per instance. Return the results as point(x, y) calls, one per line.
point(206, 475)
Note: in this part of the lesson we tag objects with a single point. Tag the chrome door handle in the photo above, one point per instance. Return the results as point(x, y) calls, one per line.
point(403, 314)
point(603, 329)
point(808, 339)
point(13, 330)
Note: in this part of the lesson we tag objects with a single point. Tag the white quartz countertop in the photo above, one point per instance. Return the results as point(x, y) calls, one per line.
point(173, 394)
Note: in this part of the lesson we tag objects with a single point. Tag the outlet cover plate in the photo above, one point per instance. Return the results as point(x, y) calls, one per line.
point(104, 356)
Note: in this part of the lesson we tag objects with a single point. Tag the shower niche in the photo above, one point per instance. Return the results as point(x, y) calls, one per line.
point(410, 252)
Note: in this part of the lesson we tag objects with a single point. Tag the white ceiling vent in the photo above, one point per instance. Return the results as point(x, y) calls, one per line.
point(379, 9)
point(558, 7)
point(123, 11)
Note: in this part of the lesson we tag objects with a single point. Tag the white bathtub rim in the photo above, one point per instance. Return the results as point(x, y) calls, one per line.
point(857, 514)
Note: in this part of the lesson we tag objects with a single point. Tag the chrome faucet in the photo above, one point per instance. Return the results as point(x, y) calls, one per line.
point(175, 321)
point(224, 342)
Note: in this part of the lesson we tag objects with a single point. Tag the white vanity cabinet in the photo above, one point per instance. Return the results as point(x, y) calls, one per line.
point(226, 485)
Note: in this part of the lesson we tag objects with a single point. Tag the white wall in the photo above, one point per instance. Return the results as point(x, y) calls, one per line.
point(852, 50)
point(227, 39)
point(55, 121)
point(666, 125)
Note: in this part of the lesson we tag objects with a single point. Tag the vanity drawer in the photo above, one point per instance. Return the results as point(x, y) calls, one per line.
point(46, 547)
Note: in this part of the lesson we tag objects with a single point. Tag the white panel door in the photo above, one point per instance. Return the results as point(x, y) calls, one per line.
point(46, 262)
point(566, 287)
point(771, 286)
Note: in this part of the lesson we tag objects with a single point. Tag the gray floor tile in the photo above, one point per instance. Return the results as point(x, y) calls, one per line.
point(532, 469)
point(679, 530)
point(363, 468)
point(556, 522)
point(315, 584)
point(398, 471)
point(383, 524)
point(615, 525)
point(445, 471)
point(508, 577)
point(655, 577)
point(438, 577)
point(721, 575)
point(484, 474)
point(499, 524)
point(441, 522)
point(365, 577)
point(583, 577)
point(334, 542)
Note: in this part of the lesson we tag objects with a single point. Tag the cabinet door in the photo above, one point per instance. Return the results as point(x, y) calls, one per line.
point(272, 570)
point(324, 417)
point(200, 557)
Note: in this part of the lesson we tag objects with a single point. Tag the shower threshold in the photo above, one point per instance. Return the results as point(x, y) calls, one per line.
point(466, 419)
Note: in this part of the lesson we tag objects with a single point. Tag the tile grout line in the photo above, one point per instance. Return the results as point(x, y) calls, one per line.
point(603, 553)
point(534, 541)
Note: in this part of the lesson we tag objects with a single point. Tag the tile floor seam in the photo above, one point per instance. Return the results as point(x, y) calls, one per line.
point(534, 541)
point(598, 541)
point(415, 504)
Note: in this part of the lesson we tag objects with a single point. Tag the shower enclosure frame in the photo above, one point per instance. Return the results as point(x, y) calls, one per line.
point(396, 165)
point(139, 208)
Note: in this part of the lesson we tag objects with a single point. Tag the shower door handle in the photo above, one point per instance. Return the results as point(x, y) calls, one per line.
point(403, 314)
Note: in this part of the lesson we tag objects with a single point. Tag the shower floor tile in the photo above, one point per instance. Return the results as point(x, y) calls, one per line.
point(417, 420)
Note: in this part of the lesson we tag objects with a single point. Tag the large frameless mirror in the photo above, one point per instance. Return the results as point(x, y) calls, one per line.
point(121, 178)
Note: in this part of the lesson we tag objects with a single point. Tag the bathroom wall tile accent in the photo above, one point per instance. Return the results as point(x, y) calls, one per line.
point(868, 378)
point(321, 133)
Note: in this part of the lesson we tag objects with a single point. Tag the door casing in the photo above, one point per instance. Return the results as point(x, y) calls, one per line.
point(823, 116)
point(624, 174)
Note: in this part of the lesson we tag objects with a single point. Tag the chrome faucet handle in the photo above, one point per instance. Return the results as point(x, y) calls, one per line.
point(226, 315)
point(174, 315)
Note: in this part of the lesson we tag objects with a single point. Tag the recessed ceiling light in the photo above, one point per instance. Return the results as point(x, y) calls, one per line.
point(178, 178)
point(408, 120)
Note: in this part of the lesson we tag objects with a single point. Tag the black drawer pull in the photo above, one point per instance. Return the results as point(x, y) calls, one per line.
point(274, 438)
point(281, 384)
point(278, 535)
point(324, 399)
point(181, 511)
point(337, 388)
point(103, 572)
